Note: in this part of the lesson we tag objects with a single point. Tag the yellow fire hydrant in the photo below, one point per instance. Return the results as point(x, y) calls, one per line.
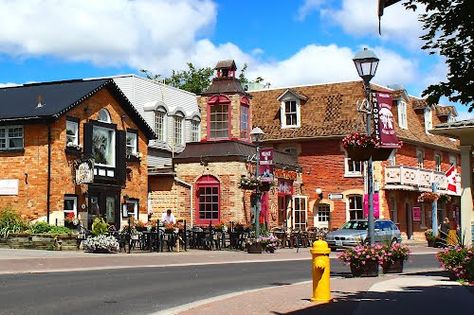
point(321, 272)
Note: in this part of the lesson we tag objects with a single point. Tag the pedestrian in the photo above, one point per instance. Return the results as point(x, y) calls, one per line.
point(444, 230)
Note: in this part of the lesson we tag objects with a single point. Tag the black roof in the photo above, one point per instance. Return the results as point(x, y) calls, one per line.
point(50, 100)
point(229, 150)
point(228, 85)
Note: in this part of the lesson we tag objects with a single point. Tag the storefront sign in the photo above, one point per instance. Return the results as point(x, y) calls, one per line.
point(9, 187)
point(383, 121)
point(84, 171)
point(376, 205)
point(285, 174)
point(335, 196)
point(416, 214)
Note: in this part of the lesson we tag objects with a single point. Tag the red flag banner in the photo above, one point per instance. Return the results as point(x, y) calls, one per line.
point(451, 177)
point(383, 121)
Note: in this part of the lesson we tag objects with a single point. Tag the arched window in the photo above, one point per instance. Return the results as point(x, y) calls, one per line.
point(178, 129)
point(104, 116)
point(160, 115)
point(208, 199)
point(195, 129)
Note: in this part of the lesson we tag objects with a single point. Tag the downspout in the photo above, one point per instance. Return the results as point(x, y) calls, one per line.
point(191, 199)
point(48, 194)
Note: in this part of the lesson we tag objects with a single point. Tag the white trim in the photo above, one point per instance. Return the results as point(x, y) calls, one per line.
point(283, 112)
point(428, 118)
point(76, 134)
point(7, 137)
point(402, 114)
point(134, 202)
point(293, 223)
point(112, 145)
point(347, 173)
point(348, 209)
point(74, 210)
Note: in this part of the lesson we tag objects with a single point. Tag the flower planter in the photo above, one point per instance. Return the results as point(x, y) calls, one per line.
point(254, 248)
point(370, 269)
point(363, 154)
point(393, 267)
point(431, 242)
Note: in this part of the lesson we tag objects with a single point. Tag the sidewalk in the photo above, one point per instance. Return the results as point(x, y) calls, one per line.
point(421, 293)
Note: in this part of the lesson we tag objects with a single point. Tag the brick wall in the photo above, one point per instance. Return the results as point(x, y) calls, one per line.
point(31, 166)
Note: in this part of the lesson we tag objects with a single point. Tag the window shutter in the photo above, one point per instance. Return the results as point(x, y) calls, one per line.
point(88, 130)
point(121, 164)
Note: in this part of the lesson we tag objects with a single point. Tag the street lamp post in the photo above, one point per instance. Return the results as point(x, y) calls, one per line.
point(257, 134)
point(366, 63)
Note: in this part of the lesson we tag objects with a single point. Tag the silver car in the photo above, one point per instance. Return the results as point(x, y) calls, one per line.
point(354, 232)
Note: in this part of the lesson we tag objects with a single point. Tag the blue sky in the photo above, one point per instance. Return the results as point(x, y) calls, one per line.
point(287, 42)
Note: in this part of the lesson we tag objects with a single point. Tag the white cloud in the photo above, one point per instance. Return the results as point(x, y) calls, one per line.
point(319, 64)
point(140, 33)
point(8, 84)
point(307, 8)
point(360, 18)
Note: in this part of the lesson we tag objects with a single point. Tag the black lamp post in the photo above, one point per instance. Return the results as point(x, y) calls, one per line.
point(257, 135)
point(366, 63)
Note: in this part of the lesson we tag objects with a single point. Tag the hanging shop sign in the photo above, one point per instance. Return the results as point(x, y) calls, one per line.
point(416, 214)
point(9, 187)
point(383, 121)
point(84, 171)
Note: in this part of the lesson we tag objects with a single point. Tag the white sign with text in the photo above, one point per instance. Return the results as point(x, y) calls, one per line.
point(9, 187)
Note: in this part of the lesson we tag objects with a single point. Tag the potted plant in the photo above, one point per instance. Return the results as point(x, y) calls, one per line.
point(363, 260)
point(428, 196)
point(459, 262)
point(101, 244)
point(430, 238)
point(253, 245)
point(393, 256)
point(70, 221)
point(140, 226)
point(269, 243)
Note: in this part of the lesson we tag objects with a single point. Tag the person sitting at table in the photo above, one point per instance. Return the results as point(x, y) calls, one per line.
point(168, 217)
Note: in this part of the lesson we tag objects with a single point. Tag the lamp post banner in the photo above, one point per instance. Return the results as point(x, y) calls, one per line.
point(383, 121)
point(266, 162)
point(376, 205)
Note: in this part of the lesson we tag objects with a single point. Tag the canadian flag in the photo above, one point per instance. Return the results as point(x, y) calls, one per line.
point(451, 177)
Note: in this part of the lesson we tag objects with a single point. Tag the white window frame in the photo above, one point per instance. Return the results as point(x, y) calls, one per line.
point(420, 158)
point(392, 159)
point(428, 119)
point(451, 118)
point(305, 204)
point(348, 173)
point(349, 209)
point(322, 223)
point(75, 128)
point(112, 144)
point(7, 137)
point(74, 210)
point(178, 127)
point(402, 114)
point(195, 130)
point(219, 115)
point(283, 113)
point(453, 160)
point(438, 161)
point(134, 145)
point(134, 203)
point(160, 118)
point(105, 119)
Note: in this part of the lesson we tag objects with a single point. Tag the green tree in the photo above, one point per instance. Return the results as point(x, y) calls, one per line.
point(449, 27)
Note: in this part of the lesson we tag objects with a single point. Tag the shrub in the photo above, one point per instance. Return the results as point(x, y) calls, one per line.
point(40, 227)
point(459, 261)
point(99, 227)
point(101, 244)
point(59, 230)
point(11, 222)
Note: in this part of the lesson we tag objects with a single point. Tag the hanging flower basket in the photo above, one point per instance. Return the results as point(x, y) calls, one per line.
point(428, 197)
point(363, 154)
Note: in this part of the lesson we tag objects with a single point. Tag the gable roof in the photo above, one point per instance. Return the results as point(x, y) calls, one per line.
point(20, 103)
point(331, 112)
point(294, 93)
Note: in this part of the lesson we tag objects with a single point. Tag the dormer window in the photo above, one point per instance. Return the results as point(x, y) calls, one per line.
point(402, 114)
point(104, 116)
point(160, 125)
point(290, 108)
point(428, 120)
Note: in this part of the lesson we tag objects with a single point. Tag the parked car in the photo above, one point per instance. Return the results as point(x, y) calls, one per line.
point(355, 232)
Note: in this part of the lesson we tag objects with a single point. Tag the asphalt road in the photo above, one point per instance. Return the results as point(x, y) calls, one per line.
point(146, 290)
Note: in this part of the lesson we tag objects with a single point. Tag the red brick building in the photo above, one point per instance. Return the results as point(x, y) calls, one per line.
point(52, 133)
point(310, 121)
